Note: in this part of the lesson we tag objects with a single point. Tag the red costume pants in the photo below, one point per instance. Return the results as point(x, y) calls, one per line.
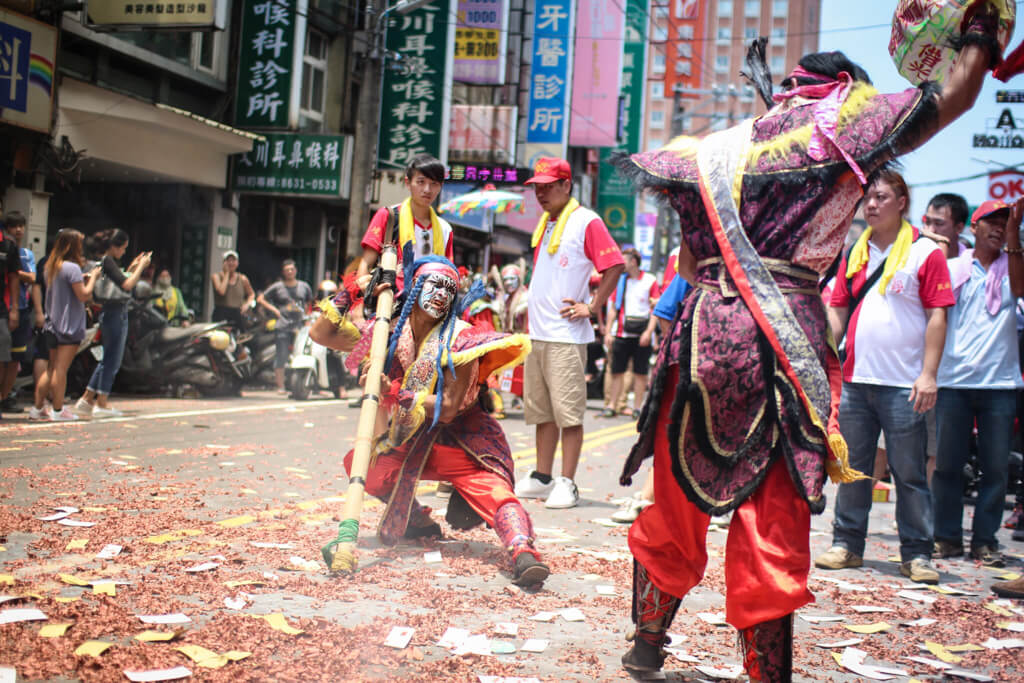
point(767, 554)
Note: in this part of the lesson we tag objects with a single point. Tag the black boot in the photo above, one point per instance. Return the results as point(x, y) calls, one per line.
point(653, 611)
point(768, 650)
point(529, 571)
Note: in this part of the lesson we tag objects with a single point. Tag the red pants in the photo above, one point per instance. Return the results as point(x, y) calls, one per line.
point(484, 490)
point(767, 554)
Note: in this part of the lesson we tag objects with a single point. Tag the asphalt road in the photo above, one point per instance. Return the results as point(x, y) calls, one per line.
point(182, 485)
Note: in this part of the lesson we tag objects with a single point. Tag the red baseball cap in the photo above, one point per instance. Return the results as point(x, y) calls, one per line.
point(550, 169)
point(987, 208)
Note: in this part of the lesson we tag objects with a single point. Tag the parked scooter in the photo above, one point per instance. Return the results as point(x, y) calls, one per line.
point(315, 367)
point(257, 337)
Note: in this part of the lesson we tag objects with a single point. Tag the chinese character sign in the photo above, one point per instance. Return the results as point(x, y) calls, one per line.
point(616, 200)
point(597, 71)
point(416, 97)
point(270, 52)
point(547, 119)
point(480, 33)
point(28, 49)
point(125, 13)
point(295, 164)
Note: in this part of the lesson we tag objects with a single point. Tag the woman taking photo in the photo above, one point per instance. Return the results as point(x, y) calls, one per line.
point(66, 294)
point(113, 292)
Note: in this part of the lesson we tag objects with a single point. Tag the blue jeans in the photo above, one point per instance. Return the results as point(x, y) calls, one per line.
point(957, 410)
point(113, 334)
point(863, 411)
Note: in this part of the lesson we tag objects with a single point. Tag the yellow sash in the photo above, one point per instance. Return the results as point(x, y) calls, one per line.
point(407, 229)
point(556, 236)
point(897, 257)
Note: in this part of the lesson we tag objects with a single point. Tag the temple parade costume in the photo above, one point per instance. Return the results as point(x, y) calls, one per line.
point(742, 415)
point(438, 429)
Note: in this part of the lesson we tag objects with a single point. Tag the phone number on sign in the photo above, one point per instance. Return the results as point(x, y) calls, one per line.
point(293, 184)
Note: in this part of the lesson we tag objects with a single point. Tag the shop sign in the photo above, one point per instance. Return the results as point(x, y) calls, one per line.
point(547, 120)
point(28, 50)
point(1010, 97)
point(1006, 133)
point(269, 58)
point(480, 33)
point(685, 58)
point(616, 199)
point(416, 98)
point(1006, 186)
point(495, 174)
point(295, 164)
point(597, 74)
point(482, 133)
point(125, 14)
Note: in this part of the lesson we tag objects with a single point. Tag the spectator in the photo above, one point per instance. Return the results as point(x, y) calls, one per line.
point(635, 297)
point(14, 228)
point(171, 302)
point(113, 292)
point(419, 230)
point(606, 329)
point(568, 243)
point(894, 342)
point(232, 292)
point(978, 381)
point(66, 293)
point(288, 300)
point(514, 319)
point(946, 216)
point(10, 268)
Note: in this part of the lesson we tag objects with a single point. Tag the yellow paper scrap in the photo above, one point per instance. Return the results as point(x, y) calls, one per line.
point(942, 589)
point(34, 596)
point(129, 457)
point(308, 505)
point(292, 494)
point(163, 538)
point(175, 451)
point(104, 588)
point(1001, 611)
point(61, 598)
point(54, 630)
point(279, 623)
point(942, 653)
point(242, 454)
point(1008, 576)
point(894, 558)
point(151, 636)
point(93, 648)
point(6, 579)
point(3, 549)
point(236, 584)
point(237, 655)
point(877, 627)
point(251, 492)
point(73, 580)
point(77, 544)
point(237, 521)
point(203, 657)
point(95, 509)
point(295, 469)
point(965, 647)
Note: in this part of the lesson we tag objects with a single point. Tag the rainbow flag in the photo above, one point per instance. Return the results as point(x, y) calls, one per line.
point(40, 72)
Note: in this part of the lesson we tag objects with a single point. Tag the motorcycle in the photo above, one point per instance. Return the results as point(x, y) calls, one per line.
point(315, 367)
point(257, 338)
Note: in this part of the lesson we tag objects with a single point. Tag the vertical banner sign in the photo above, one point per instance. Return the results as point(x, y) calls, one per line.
point(270, 54)
point(686, 54)
point(547, 122)
point(416, 97)
point(480, 42)
point(616, 200)
point(596, 76)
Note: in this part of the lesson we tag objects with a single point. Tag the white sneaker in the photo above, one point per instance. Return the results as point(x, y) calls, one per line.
point(106, 412)
point(83, 409)
point(563, 495)
point(630, 510)
point(39, 414)
point(65, 415)
point(531, 487)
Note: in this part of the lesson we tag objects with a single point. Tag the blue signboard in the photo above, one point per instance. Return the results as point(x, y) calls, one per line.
point(547, 123)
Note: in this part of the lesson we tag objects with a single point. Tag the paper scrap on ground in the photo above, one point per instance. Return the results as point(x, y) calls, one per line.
point(150, 636)
point(237, 584)
point(573, 614)
point(453, 637)
point(474, 645)
point(970, 675)
point(208, 658)
point(682, 656)
point(534, 645)
point(730, 673)
point(61, 513)
point(6, 579)
point(917, 597)
point(1015, 626)
point(77, 544)
point(506, 628)
point(278, 622)
point(104, 588)
point(11, 616)
point(948, 589)
point(713, 618)
point(849, 642)
point(8, 675)
point(158, 675)
point(502, 647)
point(923, 621)
point(176, 618)
point(76, 523)
point(507, 679)
point(1003, 644)
point(8, 598)
point(73, 580)
point(109, 551)
point(942, 653)
point(928, 661)
point(605, 590)
point(204, 567)
point(543, 616)
point(275, 546)
point(853, 659)
point(965, 647)
point(234, 603)
point(870, 609)
point(54, 630)
point(998, 609)
point(399, 637)
point(821, 618)
point(236, 521)
point(843, 585)
point(867, 629)
point(93, 648)
point(433, 557)
point(297, 563)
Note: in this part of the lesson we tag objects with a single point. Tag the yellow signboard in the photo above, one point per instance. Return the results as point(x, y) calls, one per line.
point(29, 49)
point(126, 14)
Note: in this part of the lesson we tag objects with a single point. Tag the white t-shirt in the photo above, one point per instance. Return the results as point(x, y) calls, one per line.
point(639, 294)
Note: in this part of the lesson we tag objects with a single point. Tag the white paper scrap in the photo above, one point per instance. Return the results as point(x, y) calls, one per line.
point(543, 616)
point(730, 673)
point(506, 628)
point(433, 557)
point(713, 618)
point(8, 598)
point(61, 513)
point(275, 546)
point(399, 637)
point(502, 647)
point(928, 661)
point(849, 642)
point(11, 616)
point(534, 645)
point(453, 637)
point(870, 609)
point(204, 567)
point(605, 590)
point(76, 522)
point(923, 621)
point(675, 639)
point(843, 585)
point(474, 645)
point(158, 675)
point(970, 675)
point(572, 614)
point(682, 656)
point(234, 603)
point(109, 552)
point(507, 679)
point(917, 597)
point(1015, 626)
point(822, 618)
point(853, 659)
point(1003, 644)
point(8, 674)
point(176, 618)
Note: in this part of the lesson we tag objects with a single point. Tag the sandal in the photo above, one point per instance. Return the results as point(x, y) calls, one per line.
point(607, 412)
point(629, 412)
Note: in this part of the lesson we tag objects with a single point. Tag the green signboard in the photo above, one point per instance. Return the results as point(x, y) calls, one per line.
point(294, 164)
point(269, 55)
point(193, 279)
point(416, 94)
point(616, 199)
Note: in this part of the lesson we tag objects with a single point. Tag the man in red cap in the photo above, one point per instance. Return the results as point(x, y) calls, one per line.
point(569, 242)
point(978, 379)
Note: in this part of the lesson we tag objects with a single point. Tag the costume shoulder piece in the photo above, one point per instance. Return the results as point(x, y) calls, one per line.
point(496, 351)
point(873, 127)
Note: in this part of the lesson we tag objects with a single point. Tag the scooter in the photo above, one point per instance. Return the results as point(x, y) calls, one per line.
point(315, 367)
point(257, 337)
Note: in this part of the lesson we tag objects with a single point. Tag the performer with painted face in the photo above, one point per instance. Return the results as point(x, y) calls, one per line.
point(743, 411)
point(437, 368)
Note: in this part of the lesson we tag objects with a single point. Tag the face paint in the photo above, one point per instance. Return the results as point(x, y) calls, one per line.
point(437, 295)
point(511, 283)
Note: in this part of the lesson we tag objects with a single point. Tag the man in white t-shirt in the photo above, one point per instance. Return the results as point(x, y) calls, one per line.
point(629, 334)
point(569, 242)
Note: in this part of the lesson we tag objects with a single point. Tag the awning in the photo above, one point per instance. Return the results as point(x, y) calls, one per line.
point(161, 142)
